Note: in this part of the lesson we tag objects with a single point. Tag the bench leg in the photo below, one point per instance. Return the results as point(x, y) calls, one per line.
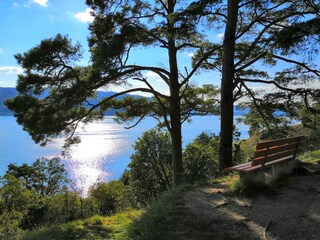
point(255, 177)
point(284, 168)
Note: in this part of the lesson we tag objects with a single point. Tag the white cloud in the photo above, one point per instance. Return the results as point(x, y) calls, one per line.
point(220, 36)
point(15, 4)
point(10, 70)
point(85, 16)
point(151, 74)
point(132, 84)
point(43, 3)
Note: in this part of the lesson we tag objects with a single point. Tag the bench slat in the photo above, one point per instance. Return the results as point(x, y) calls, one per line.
point(272, 157)
point(270, 152)
point(277, 142)
point(250, 169)
point(237, 167)
point(276, 149)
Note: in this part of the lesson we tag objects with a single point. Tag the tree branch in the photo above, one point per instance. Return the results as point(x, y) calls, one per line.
point(252, 61)
point(258, 107)
point(198, 65)
point(297, 91)
point(140, 119)
point(316, 72)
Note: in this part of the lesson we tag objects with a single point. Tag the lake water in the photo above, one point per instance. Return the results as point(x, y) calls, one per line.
point(103, 153)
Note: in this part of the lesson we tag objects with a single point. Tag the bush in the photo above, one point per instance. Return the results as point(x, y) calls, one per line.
point(109, 197)
point(9, 224)
point(201, 159)
point(150, 169)
point(310, 156)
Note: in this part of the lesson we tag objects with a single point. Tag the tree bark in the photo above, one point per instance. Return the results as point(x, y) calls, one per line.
point(176, 138)
point(175, 110)
point(226, 128)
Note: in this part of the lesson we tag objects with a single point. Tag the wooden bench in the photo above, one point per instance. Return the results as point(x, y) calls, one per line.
point(278, 155)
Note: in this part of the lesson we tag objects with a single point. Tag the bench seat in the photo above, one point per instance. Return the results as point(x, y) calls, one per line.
point(247, 167)
point(270, 153)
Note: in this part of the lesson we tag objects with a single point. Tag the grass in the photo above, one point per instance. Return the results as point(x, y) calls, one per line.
point(310, 157)
point(168, 218)
point(268, 188)
point(96, 227)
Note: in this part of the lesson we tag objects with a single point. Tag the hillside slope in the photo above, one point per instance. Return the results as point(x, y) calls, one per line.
point(6, 93)
point(290, 211)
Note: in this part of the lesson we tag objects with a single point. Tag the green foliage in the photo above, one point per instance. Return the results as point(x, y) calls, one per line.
point(36, 196)
point(48, 97)
point(150, 171)
point(15, 204)
point(267, 119)
point(64, 207)
point(109, 197)
point(238, 187)
point(96, 227)
point(201, 158)
point(158, 220)
point(292, 39)
point(169, 218)
point(55, 95)
point(10, 224)
point(46, 176)
point(14, 196)
point(247, 147)
point(310, 116)
point(310, 156)
point(195, 101)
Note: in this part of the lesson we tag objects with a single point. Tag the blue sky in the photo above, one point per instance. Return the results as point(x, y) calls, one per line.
point(24, 23)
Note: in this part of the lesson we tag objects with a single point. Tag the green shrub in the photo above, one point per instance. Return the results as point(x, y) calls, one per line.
point(200, 159)
point(310, 156)
point(150, 169)
point(97, 227)
point(109, 197)
point(9, 224)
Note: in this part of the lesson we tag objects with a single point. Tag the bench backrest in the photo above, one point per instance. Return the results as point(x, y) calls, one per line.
point(272, 150)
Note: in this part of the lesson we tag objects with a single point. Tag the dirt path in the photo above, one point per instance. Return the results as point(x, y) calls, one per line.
point(293, 212)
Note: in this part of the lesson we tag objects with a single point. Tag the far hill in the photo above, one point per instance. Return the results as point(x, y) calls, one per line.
point(6, 93)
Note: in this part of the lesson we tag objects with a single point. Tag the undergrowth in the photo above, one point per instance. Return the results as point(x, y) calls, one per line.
point(271, 187)
point(96, 227)
point(169, 218)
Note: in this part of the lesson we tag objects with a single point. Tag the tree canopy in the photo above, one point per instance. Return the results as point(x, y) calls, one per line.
point(119, 27)
point(55, 93)
point(260, 36)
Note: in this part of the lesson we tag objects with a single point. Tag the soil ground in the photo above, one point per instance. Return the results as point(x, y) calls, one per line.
point(292, 211)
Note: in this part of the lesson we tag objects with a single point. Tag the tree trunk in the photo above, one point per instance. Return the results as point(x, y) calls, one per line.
point(175, 109)
point(175, 118)
point(226, 128)
point(176, 139)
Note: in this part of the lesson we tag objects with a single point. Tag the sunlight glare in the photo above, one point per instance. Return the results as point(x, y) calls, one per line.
point(100, 143)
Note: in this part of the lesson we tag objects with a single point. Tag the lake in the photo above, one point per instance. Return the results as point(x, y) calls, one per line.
point(103, 153)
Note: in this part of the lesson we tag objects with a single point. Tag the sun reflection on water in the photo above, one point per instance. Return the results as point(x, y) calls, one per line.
point(100, 144)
